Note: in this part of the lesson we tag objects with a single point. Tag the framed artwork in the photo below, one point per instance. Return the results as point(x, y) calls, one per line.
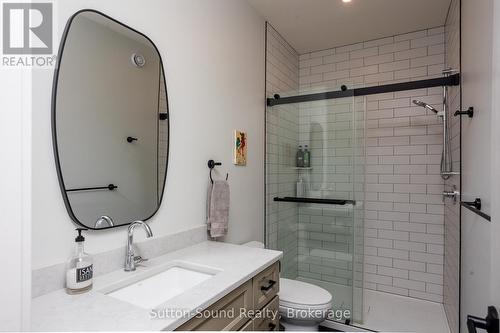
point(240, 148)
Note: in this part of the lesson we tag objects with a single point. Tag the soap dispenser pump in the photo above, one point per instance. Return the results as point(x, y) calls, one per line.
point(79, 269)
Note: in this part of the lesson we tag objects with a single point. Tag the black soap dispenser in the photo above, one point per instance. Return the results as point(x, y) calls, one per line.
point(79, 268)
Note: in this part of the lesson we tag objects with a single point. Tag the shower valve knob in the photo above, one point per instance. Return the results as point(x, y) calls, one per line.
point(451, 194)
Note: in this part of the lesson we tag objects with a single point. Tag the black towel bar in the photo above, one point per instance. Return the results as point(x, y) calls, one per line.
point(490, 324)
point(110, 187)
point(475, 206)
point(340, 202)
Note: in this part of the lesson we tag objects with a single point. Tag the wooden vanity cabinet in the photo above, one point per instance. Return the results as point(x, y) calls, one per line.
point(254, 298)
point(268, 323)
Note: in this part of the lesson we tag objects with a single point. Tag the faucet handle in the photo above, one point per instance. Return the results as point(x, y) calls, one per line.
point(139, 259)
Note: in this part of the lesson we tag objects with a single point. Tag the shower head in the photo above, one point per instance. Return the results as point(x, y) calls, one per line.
point(425, 105)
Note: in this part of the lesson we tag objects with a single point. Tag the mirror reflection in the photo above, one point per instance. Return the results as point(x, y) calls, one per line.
point(110, 122)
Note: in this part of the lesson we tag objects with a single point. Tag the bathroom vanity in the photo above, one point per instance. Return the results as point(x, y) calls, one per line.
point(203, 278)
point(258, 297)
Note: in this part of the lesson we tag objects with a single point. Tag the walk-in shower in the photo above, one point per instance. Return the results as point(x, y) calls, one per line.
point(363, 219)
point(315, 213)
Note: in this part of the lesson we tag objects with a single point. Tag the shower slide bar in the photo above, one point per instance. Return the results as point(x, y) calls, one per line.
point(339, 202)
point(450, 80)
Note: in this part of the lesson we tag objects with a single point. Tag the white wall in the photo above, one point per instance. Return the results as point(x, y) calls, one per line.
point(495, 158)
point(15, 279)
point(478, 236)
point(213, 52)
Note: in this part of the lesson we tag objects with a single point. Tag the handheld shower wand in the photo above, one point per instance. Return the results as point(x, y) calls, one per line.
point(425, 105)
point(446, 160)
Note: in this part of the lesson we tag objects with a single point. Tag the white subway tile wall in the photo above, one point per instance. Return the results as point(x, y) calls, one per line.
point(282, 134)
point(452, 210)
point(404, 214)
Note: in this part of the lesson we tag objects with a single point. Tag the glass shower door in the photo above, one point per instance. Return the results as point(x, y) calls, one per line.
point(318, 218)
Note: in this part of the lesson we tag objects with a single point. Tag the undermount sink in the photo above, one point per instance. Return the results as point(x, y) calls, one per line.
point(157, 285)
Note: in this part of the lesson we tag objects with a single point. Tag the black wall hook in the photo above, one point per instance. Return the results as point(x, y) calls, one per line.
point(211, 165)
point(469, 112)
point(131, 139)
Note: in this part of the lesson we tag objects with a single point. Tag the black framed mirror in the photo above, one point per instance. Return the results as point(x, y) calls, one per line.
point(110, 122)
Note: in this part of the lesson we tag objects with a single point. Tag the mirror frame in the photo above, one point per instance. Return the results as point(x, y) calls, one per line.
point(60, 177)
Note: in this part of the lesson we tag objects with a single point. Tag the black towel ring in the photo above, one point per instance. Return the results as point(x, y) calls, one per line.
point(211, 165)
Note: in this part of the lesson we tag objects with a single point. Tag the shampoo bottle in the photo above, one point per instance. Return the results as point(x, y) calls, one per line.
point(307, 157)
point(79, 269)
point(300, 157)
point(300, 189)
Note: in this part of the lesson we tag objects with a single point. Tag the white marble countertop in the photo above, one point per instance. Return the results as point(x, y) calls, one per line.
point(95, 311)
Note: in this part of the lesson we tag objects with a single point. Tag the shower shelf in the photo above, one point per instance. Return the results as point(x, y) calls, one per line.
point(340, 202)
point(301, 168)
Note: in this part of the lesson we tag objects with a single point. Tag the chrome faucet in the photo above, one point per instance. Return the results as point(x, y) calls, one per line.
point(130, 259)
point(103, 222)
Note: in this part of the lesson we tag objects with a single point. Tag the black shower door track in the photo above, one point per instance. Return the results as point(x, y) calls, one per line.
point(451, 80)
